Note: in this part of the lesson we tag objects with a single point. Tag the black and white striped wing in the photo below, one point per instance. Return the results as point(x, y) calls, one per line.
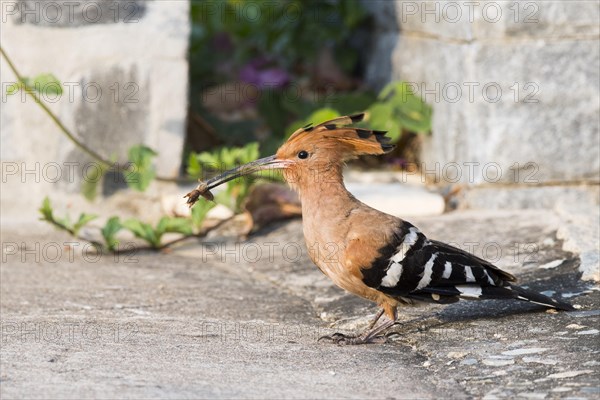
point(428, 270)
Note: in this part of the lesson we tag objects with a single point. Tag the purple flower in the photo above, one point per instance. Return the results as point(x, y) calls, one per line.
point(257, 73)
point(273, 77)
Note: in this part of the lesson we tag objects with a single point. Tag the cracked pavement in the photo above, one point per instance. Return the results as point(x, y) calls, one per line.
point(241, 320)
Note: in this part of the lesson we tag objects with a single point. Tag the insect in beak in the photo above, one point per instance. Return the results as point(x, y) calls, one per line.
point(203, 189)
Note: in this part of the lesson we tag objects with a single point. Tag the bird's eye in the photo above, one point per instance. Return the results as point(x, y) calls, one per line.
point(303, 154)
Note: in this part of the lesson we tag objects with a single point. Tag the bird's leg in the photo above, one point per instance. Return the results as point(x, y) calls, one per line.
point(379, 314)
point(370, 335)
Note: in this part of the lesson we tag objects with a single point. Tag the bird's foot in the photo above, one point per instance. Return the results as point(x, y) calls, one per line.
point(343, 340)
point(374, 335)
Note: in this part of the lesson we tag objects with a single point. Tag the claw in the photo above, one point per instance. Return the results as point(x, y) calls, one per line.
point(342, 340)
point(335, 337)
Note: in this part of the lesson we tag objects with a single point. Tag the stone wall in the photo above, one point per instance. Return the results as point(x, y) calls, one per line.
point(123, 67)
point(514, 86)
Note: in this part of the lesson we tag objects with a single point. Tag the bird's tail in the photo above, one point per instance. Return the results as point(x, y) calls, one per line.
point(538, 298)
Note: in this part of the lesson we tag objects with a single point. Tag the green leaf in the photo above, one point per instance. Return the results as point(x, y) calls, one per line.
point(46, 210)
point(46, 84)
point(416, 121)
point(142, 230)
point(414, 114)
point(227, 157)
point(316, 117)
point(161, 227)
point(91, 181)
point(135, 226)
point(387, 91)
point(407, 107)
point(223, 158)
point(141, 173)
point(194, 168)
point(224, 197)
point(83, 220)
point(199, 212)
point(60, 223)
point(381, 117)
point(207, 157)
point(178, 225)
point(321, 115)
point(109, 232)
point(248, 153)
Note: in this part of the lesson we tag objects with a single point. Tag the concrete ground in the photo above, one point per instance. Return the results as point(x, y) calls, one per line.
point(226, 320)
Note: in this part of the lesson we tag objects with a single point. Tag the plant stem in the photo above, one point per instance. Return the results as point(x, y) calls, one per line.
point(54, 118)
point(166, 245)
point(105, 162)
point(96, 244)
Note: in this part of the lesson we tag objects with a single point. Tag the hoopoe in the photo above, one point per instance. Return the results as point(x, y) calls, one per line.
point(366, 252)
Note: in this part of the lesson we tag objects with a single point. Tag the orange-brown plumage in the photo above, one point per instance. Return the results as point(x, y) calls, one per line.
point(369, 253)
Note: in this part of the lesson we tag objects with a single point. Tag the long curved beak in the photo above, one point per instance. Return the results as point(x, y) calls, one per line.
point(203, 189)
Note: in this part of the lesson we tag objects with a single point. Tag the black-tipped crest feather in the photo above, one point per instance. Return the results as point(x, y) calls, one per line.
point(341, 123)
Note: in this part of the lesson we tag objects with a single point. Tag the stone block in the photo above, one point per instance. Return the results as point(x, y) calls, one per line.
point(537, 20)
point(509, 105)
point(532, 197)
point(498, 20)
point(124, 79)
point(451, 20)
point(397, 199)
point(75, 13)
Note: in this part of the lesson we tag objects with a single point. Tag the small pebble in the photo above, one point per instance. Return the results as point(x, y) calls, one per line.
point(575, 326)
point(552, 264)
point(533, 395)
point(568, 374)
point(548, 242)
point(561, 389)
point(591, 389)
point(456, 354)
point(591, 363)
point(589, 332)
point(496, 362)
point(538, 360)
point(518, 352)
point(572, 294)
point(585, 313)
